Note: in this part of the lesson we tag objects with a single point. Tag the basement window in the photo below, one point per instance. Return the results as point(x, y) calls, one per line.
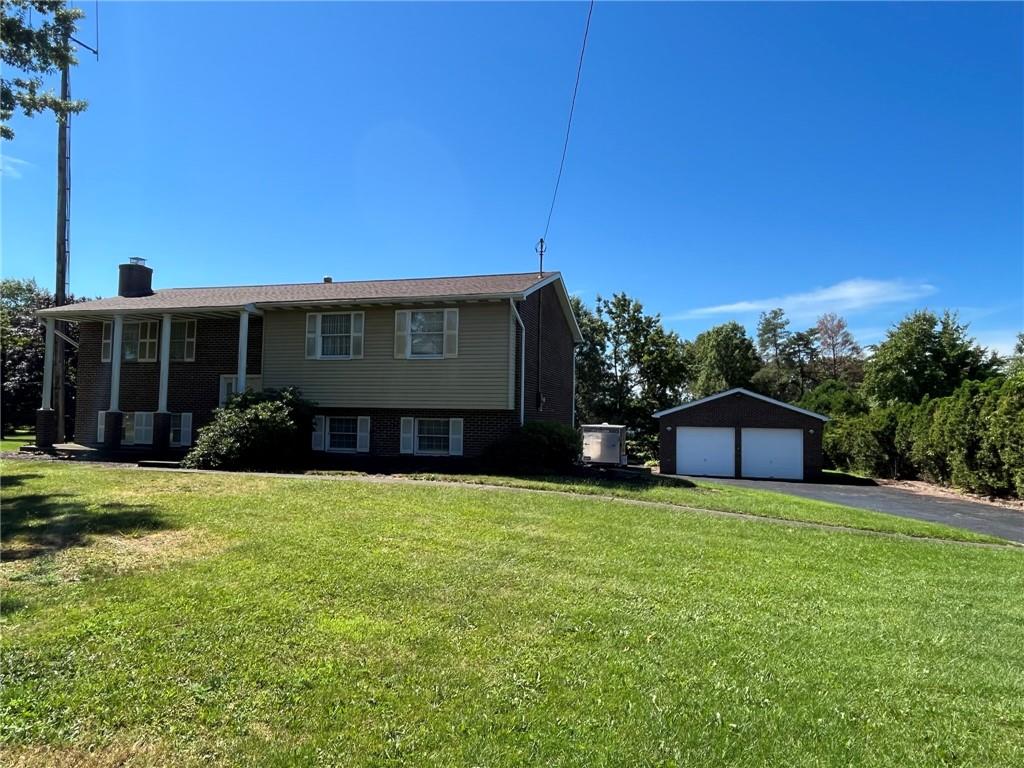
point(137, 428)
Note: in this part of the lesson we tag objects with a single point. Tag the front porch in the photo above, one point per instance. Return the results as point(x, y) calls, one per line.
point(127, 381)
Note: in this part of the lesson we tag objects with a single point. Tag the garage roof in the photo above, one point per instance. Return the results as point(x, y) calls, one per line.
point(740, 390)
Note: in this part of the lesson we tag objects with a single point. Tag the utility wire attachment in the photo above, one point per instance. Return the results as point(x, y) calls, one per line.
point(568, 129)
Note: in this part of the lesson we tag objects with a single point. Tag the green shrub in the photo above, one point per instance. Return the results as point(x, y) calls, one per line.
point(536, 448)
point(256, 430)
point(1005, 431)
point(834, 398)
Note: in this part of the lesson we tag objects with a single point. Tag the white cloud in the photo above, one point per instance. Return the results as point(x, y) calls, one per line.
point(846, 296)
point(10, 167)
point(1001, 341)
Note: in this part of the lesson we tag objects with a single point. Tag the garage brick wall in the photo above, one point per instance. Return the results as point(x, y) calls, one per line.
point(739, 410)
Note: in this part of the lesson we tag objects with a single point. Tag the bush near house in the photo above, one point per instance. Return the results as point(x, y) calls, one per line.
point(972, 439)
point(537, 447)
point(256, 430)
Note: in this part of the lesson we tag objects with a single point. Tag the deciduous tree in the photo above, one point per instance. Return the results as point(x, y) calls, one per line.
point(36, 43)
point(723, 357)
point(925, 355)
point(838, 350)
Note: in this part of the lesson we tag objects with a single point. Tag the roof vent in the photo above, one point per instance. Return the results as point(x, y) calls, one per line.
point(134, 279)
point(328, 279)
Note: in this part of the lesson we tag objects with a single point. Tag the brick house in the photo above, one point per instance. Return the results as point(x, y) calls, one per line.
point(427, 367)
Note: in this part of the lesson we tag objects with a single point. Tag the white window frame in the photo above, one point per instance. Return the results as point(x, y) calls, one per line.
point(315, 338)
point(252, 384)
point(184, 429)
point(329, 421)
point(455, 431)
point(148, 342)
point(107, 341)
point(322, 434)
point(137, 428)
point(449, 333)
point(187, 342)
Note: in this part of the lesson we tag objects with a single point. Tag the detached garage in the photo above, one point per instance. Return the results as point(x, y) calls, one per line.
point(739, 433)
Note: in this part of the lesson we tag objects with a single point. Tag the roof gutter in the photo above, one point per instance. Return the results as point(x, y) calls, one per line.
point(69, 310)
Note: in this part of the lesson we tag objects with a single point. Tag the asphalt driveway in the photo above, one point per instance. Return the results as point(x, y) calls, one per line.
point(969, 515)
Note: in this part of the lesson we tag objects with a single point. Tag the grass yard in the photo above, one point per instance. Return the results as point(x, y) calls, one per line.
point(727, 498)
point(13, 440)
point(186, 619)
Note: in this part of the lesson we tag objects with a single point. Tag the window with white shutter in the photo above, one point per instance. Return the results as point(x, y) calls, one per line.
point(402, 333)
point(334, 335)
point(105, 344)
point(143, 428)
point(318, 433)
point(342, 433)
point(451, 333)
point(181, 429)
point(183, 341)
point(408, 434)
point(455, 437)
point(363, 435)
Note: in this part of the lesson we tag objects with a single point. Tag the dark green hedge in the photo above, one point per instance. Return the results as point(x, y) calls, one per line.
point(540, 447)
point(973, 439)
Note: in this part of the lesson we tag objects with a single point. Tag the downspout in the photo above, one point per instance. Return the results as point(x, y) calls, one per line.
point(522, 364)
point(572, 409)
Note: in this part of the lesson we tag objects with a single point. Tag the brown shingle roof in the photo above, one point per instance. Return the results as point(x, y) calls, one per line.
point(228, 297)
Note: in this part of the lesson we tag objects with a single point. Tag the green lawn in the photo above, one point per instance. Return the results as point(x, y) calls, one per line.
point(17, 438)
point(243, 620)
point(728, 498)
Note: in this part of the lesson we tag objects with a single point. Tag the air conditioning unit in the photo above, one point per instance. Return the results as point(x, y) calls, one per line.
point(604, 444)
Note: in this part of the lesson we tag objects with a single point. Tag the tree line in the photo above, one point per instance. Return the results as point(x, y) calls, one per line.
point(927, 401)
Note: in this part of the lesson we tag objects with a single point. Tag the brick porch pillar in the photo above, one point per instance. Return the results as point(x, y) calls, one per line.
point(112, 424)
point(46, 427)
point(161, 432)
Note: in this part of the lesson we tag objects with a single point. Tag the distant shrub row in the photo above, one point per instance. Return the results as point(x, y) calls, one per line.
point(973, 439)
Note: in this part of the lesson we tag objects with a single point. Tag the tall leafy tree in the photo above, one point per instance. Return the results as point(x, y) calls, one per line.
point(645, 364)
point(772, 335)
point(722, 357)
point(22, 349)
point(591, 365)
point(800, 353)
point(837, 348)
point(37, 43)
point(925, 354)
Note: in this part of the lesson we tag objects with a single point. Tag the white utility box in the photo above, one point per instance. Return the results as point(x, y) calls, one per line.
point(604, 444)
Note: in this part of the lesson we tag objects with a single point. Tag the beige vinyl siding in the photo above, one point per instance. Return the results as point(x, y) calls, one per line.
point(478, 378)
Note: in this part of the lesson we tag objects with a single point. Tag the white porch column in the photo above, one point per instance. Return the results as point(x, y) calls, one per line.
point(115, 363)
point(48, 366)
point(165, 361)
point(243, 349)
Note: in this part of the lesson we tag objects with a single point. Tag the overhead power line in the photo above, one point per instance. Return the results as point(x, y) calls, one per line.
point(568, 130)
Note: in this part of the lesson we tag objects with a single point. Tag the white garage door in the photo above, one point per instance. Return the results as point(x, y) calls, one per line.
point(773, 453)
point(706, 451)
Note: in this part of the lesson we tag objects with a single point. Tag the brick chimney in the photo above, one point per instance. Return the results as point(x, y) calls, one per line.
point(134, 278)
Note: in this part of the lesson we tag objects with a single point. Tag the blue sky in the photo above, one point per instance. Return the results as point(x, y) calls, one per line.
point(725, 158)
